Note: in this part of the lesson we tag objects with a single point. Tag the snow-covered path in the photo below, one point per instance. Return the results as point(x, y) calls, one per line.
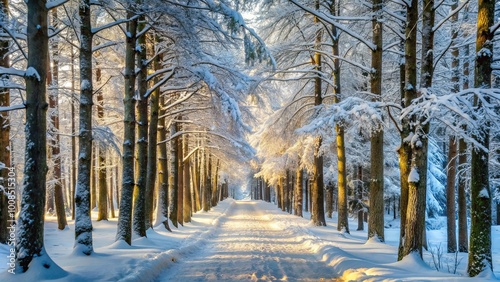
point(249, 247)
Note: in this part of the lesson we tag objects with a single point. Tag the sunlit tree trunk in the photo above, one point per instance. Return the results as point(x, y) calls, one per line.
point(299, 190)
point(376, 217)
point(124, 231)
point(480, 236)
point(415, 220)
point(30, 224)
point(317, 192)
point(405, 151)
point(203, 182)
point(139, 217)
point(73, 134)
point(163, 180)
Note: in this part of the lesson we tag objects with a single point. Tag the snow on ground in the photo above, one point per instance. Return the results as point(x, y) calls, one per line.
point(243, 241)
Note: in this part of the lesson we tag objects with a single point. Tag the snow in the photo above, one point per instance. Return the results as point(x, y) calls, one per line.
point(241, 241)
point(31, 72)
point(414, 176)
point(484, 193)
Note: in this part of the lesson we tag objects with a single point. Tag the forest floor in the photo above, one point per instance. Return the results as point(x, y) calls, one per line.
point(244, 241)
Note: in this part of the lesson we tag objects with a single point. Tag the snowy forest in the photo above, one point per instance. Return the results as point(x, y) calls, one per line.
point(181, 140)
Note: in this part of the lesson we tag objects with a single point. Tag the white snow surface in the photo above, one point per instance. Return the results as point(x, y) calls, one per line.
point(241, 241)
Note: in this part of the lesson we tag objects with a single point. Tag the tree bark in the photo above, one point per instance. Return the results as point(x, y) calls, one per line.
point(102, 165)
point(139, 221)
point(174, 175)
point(359, 188)
point(299, 190)
point(415, 220)
point(376, 211)
point(124, 231)
point(163, 166)
point(31, 218)
point(187, 180)
point(451, 170)
point(4, 133)
point(405, 151)
point(153, 147)
point(83, 223)
point(480, 259)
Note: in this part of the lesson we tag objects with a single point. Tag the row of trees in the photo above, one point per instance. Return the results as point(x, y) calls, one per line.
point(182, 126)
point(393, 61)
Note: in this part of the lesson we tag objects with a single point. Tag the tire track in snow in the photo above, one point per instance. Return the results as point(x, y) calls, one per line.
point(249, 247)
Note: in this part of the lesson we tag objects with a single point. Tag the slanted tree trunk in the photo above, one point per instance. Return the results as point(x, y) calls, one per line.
point(5, 132)
point(83, 223)
point(124, 231)
point(480, 235)
point(405, 151)
point(139, 222)
point(31, 217)
point(376, 217)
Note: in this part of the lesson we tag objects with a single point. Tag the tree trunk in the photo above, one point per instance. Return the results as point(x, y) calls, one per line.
point(450, 195)
point(317, 193)
point(5, 135)
point(174, 175)
point(415, 220)
point(153, 147)
point(31, 218)
point(180, 177)
point(187, 180)
point(306, 208)
point(480, 236)
point(102, 166)
point(376, 217)
point(139, 222)
point(299, 190)
point(124, 231)
point(451, 170)
point(329, 199)
point(361, 210)
point(405, 151)
point(83, 223)
point(163, 204)
point(203, 182)
point(73, 135)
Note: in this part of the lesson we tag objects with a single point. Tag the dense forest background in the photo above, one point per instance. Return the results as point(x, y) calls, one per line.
point(150, 111)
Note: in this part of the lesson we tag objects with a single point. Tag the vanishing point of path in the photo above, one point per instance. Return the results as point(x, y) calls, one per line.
point(249, 247)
